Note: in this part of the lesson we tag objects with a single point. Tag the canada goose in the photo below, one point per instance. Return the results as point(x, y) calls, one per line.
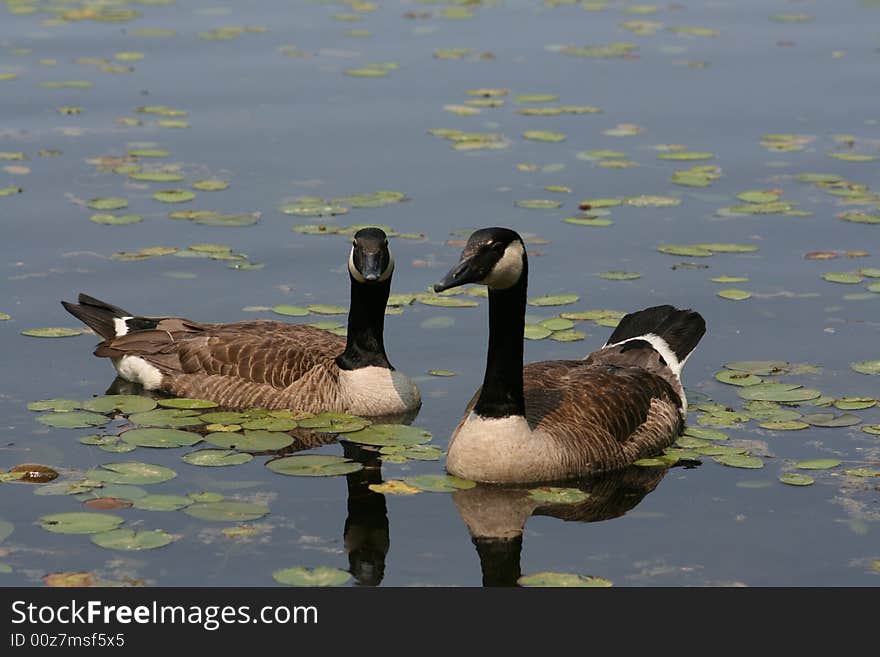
point(264, 363)
point(566, 418)
point(496, 515)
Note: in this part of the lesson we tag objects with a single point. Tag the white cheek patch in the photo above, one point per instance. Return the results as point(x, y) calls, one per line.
point(508, 269)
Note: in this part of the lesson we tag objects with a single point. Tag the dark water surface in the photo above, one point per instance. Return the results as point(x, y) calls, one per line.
point(278, 127)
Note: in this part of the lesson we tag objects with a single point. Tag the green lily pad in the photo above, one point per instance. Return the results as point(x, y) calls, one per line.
point(554, 300)
point(759, 367)
point(779, 392)
point(131, 540)
point(691, 442)
point(210, 185)
point(160, 437)
point(784, 425)
point(334, 423)
point(547, 136)
point(619, 275)
point(167, 417)
point(817, 464)
point(79, 523)
point(569, 335)
point(842, 277)
point(73, 419)
point(108, 203)
point(116, 220)
point(867, 366)
point(739, 461)
point(320, 576)
point(290, 311)
point(742, 379)
point(730, 279)
point(682, 250)
point(548, 579)
point(685, 155)
point(54, 405)
point(324, 309)
point(179, 402)
point(313, 465)
point(536, 332)
point(853, 472)
point(854, 403)
point(52, 332)
point(555, 495)
point(389, 434)
point(443, 301)
point(757, 196)
point(174, 195)
point(434, 483)
point(734, 294)
point(162, 502)
point(217, 457)
point(227, 511)
point(131, 472)
point(411, 452)
point(649, 201)
point(250, 441)
point(122, 403)
point(539, 204)
point(557, 324)
point(651, 463)
point(705, 434)
point(832, 420)
point(796, 479)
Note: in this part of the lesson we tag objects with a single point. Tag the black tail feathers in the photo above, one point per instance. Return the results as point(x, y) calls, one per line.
point(680, 329)
point(96, 314)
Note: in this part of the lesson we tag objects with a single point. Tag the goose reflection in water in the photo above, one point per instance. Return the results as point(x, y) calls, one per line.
point(496, 515)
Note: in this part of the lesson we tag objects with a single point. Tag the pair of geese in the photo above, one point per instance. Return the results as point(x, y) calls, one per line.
point(545, 421)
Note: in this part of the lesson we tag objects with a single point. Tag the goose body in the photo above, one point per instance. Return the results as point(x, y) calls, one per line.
point(562, 419)
point(264, 363)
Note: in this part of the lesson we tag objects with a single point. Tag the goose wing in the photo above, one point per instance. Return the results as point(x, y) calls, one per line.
point(271, 353)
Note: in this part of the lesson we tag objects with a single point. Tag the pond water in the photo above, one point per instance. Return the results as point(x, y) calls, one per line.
point(766, 91)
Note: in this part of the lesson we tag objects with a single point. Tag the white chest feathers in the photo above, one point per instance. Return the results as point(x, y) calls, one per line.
point(501, 450)
point(377, 391)
point(137, 370)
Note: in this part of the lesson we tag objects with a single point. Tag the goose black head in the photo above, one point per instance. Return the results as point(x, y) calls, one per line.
point(370, 260)
point(495, 257)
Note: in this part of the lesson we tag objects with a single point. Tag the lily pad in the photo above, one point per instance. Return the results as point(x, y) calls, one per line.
point(554, 300)
point(548, 579)
point(131, 540)
point(160, 437)
point(227, 511)
point(79, 523)
point(705, 434)
point(556, 495)
point(739, 461)
point(544, 135)
point(539, 204)
point(334, 423)
point(779, 392)
point(817, 464)
point(832, 420)
point(854, 403)
point(867, 366)
point(52, 332)
point(389, 434)
point(742, 379)
point(250, 441)
point(217, 457)
point(433, 483)
point(179, 402)
point(320, 576)
point(162, 502)
point(734, 294)
point(108, 203)
point(131, 472)
point(167, 417)
point(290, 311)
point(394, 487)
point(122, 403)
point(313, 465)
point(784, 425)
point(174, 196)
point(536, 332)
point(796, 479)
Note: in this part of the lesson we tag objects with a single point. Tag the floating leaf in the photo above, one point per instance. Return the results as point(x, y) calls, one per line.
point(131, 472)
point(179, 402)
point(324, 309)
point(680, 250)
point(536, 332)
point(648, 201)
point(619, 275)
point(554, 300)
point(705, 434)
point(539, 204)
point(131, 540)
point(210, 185)
point(162, 502)
point(734, 294)
point(817, 464)
point(854, 403)
point(739, 461)
point(784, 425)
point(548, 579)
point(737, 378)
point(389, 434)
point(759, 367)
point(174, 196)
point(216, 457)
point(227, 511)
point(320, 576)
point(779, 392)
point(122, 403)
point(433, 483)
point(156, 437)
point(394, 487)
point(796, 479)
point(853, 472)
point(79, 523)
point(73, 419)
point(544, 135)
point(167, 417)
point(52, 332)
point(250, 441)
point(867, 366)
point(841, 277)
point(313, 465)
point(290, 311)
point(556, 495)
point(832, 420)
point(108, 203)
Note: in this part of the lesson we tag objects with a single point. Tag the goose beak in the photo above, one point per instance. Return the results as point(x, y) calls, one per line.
point(371, 266)
point(463, 273)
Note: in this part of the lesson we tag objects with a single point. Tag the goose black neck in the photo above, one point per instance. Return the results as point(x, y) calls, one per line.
point(502, 393)
point(365, 346)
